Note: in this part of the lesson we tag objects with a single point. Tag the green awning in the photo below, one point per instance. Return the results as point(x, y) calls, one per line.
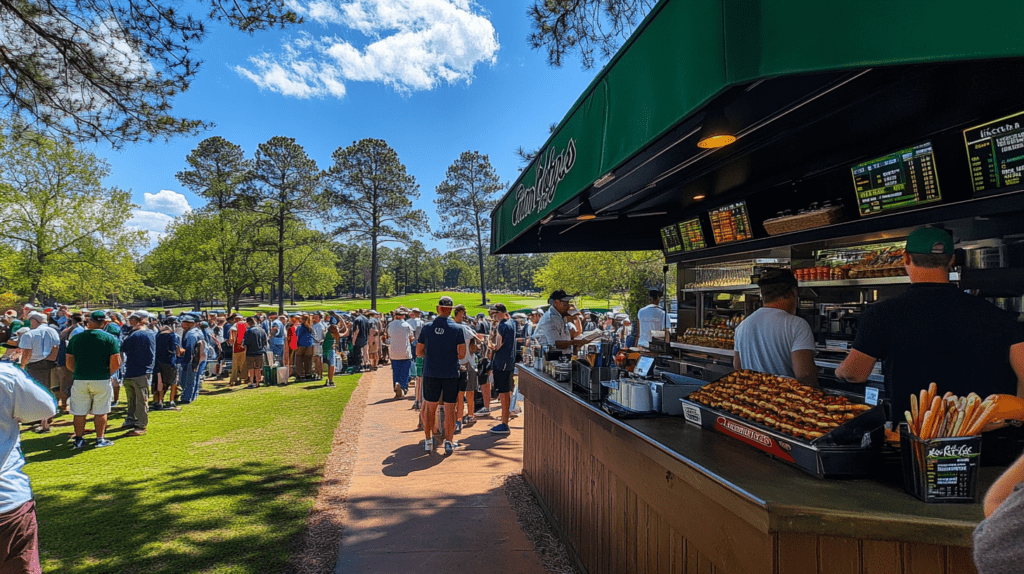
point(688, 51)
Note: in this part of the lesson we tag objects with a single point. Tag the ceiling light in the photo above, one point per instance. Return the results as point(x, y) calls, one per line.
point(716, 131)
point(547, 219)
point(699, 197)
point(604, 179)
point(586, 211)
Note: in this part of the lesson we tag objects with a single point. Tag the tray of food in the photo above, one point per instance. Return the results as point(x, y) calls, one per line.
point(823, 433)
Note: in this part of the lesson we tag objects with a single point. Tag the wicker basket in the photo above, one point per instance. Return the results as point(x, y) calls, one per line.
point(799, 222)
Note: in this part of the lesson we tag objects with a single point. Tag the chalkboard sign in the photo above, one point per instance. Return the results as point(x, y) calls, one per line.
point(996, 153)
point(902, 179)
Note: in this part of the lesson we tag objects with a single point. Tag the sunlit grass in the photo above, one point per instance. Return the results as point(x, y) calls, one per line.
point(225, 485)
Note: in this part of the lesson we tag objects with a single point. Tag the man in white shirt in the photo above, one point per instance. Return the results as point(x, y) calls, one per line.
point(319, 329)
point(39, 349)
point(400, 332)
point(551, 329)
point(773, 339)
point(651, 318)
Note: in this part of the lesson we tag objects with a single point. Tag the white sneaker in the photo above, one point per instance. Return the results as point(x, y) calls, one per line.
point(428, 445)
point(484, 412)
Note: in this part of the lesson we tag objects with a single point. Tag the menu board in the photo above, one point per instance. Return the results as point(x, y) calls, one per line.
point(902, 179)
point(996, 153)
point(692, 235)
point(670, 241)
point(730, 223)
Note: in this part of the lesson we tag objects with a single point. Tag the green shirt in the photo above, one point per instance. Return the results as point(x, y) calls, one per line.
point(92, 350)
point(15, 325)
point(328, 344)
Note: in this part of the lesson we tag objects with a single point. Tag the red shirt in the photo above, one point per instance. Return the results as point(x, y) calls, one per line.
point(239, 335)
point(293, 341)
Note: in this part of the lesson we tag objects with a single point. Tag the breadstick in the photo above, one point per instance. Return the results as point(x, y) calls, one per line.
point(981, 421)
point(948, 396)
point(972, 405)
point(936, 405)
point(958, 425)
point(941, 431)
point(925, 401)
point(925, 423)
point(980, 410)
point(933, 390)
point(910, 421)
point(913, 412)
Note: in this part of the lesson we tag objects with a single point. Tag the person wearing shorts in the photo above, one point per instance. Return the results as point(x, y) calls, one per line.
point(468, 384)
point(93, 356)
point(256, 344)
point(442, 344)
point(503, 363)
point(21, 398)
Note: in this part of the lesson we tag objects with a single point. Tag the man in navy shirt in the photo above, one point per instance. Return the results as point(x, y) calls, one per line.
point(139, 348)
point(168, 348)
point(502, 343)
point(442, 344)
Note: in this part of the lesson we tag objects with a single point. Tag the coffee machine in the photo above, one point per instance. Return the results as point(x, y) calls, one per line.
point(837, 325)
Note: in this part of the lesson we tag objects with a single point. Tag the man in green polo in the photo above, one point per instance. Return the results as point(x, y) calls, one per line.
point(93, 356)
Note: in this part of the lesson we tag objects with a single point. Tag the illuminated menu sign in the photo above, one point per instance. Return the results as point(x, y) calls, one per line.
point(899, 180)
point(670, 239)
point(730, 223)
point(692, 235)
point(996, 153)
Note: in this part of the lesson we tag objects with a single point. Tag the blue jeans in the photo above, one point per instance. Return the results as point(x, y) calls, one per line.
point(400, 372)
point(278, 351)
point(189, 383)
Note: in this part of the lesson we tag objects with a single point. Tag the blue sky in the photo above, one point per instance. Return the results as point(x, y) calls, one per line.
point(433, 78)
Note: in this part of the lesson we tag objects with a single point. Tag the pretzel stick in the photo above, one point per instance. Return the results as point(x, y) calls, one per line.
point(915, 415)
point(959, 424)
point(980, 422)
point(933, 390)
point(925, 423)
point(910, 421)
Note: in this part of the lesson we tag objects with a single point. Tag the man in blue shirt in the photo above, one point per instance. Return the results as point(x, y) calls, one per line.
point(360, 336)
point(192, 342)
point(502, 343)
point(442, 344)
point(23, 399)
point(139, 348)
point(276, 334)
point(168, 348)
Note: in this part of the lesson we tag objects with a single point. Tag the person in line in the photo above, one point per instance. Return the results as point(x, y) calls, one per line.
point(401, 335)
point(319, 328)
point(923, 335)
point(21, 399)
point(503, 362)
point(235, 337)
point(997, 547)
point(256, 344)
point(359, 337)
point(472, 381)
point(93, 356)
point(332, 340)
point(64, 376)
point(373, 340)
point(39, 349)
point(773, 339)
point(276, 333)
point(651, 318)
point(415, 321)
point(139, 349)
point(303, 349)
point(441, 344)
point(194, 345)
point(168, 353)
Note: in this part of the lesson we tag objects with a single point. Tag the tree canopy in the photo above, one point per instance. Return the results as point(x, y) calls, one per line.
point(90, 70)
point(592, 29)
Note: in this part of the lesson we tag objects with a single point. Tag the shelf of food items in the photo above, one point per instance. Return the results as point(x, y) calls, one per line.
point(717, 333)
point(878, 261)
point(731, 276)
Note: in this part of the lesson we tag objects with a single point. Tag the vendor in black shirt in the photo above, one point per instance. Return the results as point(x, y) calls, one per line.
point(936, 333)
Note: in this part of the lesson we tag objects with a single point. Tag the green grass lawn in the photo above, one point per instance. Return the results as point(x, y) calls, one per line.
point(425, 301)
point(223, 486)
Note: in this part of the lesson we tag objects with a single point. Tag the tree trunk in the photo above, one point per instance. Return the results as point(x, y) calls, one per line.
point(480, 259)
point(280, 265)
point(373, 271)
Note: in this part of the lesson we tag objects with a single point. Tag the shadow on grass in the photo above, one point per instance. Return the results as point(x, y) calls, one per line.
point(243, 518)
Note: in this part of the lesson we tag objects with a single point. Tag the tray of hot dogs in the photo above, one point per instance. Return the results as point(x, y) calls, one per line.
point(823, 433)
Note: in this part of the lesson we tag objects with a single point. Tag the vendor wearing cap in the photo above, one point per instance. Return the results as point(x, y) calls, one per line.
point(551, 329)
point(934, 332)
point(773, 339)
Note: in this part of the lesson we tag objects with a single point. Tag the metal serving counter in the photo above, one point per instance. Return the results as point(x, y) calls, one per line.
point(660, 495)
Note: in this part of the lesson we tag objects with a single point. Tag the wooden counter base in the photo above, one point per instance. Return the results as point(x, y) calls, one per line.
point(626, 502)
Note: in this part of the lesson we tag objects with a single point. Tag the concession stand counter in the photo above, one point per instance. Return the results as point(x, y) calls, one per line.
point(846, 126)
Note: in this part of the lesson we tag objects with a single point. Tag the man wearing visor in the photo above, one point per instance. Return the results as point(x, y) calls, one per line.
point(551, 330)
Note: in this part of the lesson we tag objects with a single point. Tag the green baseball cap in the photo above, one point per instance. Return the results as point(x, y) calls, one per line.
point(98, 316)
point(931, 241)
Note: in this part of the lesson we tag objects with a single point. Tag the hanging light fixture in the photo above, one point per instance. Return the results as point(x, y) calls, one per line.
point(716, 131)
point(586, 211)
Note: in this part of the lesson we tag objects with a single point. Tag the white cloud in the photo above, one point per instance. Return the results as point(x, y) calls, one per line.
point(411, 45)
point(166, 201)
point(153, 223)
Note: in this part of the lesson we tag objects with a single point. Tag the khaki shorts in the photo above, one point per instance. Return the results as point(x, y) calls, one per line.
point(253, 363)
point(91, 397)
